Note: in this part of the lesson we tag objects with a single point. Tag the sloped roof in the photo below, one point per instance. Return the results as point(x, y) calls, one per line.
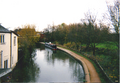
point(3, 29)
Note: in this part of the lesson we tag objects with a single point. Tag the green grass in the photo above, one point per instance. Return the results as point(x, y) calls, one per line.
point(105, 45)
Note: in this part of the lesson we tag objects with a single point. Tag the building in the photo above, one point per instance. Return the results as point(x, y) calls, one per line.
point(8, 48)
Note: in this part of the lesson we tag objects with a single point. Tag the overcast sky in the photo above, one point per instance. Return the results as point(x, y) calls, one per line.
point(14, 13)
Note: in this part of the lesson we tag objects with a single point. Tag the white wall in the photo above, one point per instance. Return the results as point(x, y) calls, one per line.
point(6, 49)
point(14, 50)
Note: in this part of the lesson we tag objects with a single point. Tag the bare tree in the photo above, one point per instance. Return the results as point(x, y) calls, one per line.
point(114, 14)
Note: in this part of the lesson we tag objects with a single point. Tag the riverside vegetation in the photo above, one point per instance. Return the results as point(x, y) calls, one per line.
point(93, 39)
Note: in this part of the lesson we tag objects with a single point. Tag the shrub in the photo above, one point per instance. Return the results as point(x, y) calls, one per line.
point(68, 44)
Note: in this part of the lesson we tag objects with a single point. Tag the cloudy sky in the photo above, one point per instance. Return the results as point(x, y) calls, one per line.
point(14, 13)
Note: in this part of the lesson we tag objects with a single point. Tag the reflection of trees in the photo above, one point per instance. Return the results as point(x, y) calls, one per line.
point(51, 57)
point(33, 70)
point(25, 71)
point(48, 56)
point(40, 46)
point(75, 67)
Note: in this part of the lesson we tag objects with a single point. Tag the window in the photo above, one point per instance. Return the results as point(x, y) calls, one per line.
point(6, 64)
point(2, 38)
point(14, 40)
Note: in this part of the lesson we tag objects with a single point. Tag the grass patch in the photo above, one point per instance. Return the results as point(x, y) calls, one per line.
point(105, 45)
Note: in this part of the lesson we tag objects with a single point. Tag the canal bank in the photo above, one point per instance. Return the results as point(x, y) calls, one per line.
point(91, 75)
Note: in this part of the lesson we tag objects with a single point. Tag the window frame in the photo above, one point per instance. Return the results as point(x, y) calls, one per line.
point(2, 39)
point(6, 64)
point(14, 40)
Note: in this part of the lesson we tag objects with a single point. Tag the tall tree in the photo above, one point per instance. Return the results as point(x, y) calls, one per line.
point(93, 34)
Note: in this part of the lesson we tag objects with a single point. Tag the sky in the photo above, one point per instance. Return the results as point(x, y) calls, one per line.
point(15, 13)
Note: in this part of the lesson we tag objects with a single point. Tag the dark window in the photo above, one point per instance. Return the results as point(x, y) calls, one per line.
point(6, 64)
point(2, 38)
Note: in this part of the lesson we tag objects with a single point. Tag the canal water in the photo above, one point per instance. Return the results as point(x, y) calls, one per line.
point(49, 66)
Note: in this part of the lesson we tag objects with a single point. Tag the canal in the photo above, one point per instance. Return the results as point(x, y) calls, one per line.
point(48, 66)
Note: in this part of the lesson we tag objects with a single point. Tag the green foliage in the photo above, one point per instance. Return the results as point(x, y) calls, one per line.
point(106, 45)
point(27, 41)
point(27, 35)
point(87, 33)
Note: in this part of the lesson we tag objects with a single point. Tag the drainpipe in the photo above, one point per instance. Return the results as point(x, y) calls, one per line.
point(1, 59)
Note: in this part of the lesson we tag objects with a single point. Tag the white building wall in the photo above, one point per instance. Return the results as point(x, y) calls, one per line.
point(6, 54)
point(14, 50)
point(6, 49)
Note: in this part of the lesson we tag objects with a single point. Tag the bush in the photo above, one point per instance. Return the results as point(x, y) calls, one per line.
point(68, 44)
